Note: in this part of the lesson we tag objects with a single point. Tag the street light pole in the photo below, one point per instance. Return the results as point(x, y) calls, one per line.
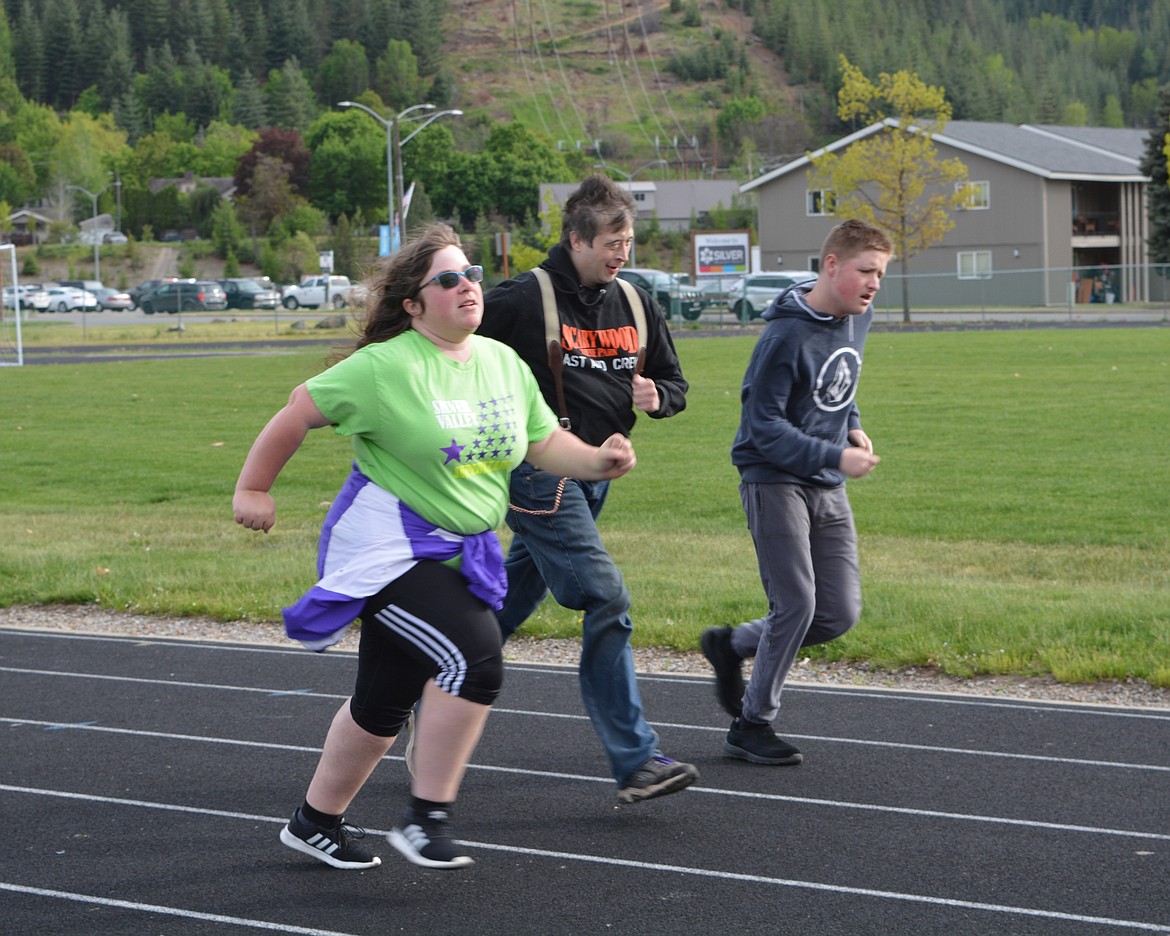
point(97, 269)
point(394, 157)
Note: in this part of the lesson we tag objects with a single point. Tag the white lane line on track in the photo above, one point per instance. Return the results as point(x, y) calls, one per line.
point(555, 775)
point(502, 710)
point(922, 697)
point(168, 911)
point(592, 859)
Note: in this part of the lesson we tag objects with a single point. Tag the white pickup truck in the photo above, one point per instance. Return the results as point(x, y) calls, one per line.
point(312, 292)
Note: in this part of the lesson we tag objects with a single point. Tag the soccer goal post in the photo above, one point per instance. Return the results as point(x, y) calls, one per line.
point(11, 308)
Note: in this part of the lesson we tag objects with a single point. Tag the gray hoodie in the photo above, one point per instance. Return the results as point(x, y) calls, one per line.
point(797, 398)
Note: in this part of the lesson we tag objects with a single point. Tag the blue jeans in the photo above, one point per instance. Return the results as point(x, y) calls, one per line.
point(563, 553)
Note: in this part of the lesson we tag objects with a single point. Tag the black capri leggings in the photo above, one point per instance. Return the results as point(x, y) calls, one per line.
point(424, 625)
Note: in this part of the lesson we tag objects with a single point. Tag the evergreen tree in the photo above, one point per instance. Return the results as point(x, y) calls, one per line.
point(1153, 164)
point(291, 102)
point(162, 88)
point(116, 72)
point(7, 62)
point(149, 26)
point(255, 25)
point(129, 114)
point(248, 107)
point(29, 54)
point(60, 21)
point(281, 45)
point(379, 26)
point(237, 51)
point(423, 24)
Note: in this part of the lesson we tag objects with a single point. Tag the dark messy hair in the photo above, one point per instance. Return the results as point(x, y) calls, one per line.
point(398, 279)
point(849, 238)
point(598, 206)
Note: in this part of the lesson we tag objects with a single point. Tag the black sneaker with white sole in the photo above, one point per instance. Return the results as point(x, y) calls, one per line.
point(728, 666)
point(657, 777)
point(426, 841)
point(757, 742)
point(336, 847)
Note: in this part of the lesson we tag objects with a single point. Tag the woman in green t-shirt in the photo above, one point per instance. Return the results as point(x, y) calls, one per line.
point(438, 417)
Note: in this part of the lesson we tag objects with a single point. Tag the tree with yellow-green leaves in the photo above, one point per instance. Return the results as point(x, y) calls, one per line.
point(895, 177)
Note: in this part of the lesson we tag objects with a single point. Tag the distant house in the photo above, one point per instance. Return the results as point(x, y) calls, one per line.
point(94, 229)
point(674, 204)
point(1043, 199)
point(26, 227)
point(187, 183)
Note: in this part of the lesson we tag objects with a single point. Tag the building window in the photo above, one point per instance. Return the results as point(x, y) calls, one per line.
point(821, 203)
point(974, 264)
point(639, 196)
point(976, 195)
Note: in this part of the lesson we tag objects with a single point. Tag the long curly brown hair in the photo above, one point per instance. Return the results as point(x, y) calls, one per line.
point(398, 279)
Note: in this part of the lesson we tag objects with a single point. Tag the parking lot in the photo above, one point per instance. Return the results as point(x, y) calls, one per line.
point(144, 782)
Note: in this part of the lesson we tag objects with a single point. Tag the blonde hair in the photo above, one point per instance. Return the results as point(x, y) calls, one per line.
point(849, 238)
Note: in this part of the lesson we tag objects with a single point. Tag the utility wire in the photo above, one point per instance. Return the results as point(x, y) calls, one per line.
point(544, 71)
point(659, 83)
point(520, 52)
point(616, 57)
point(642, 85)
point(564, 77)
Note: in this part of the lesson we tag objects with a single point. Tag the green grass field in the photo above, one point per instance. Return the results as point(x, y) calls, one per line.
point(1017, 523)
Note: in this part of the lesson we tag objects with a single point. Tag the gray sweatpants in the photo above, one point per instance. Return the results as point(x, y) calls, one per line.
point(806, 546)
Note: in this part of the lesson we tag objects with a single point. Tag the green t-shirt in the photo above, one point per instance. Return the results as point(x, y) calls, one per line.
point(440, 435)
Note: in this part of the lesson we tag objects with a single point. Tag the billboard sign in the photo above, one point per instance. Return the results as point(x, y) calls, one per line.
point(721, 253)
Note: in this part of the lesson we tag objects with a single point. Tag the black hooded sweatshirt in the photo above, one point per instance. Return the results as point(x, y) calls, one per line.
point(600, 345)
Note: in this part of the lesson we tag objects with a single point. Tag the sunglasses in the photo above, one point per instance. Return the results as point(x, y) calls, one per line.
point(450, 279)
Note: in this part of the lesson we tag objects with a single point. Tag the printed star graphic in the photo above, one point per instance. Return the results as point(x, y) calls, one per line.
point(453, 452)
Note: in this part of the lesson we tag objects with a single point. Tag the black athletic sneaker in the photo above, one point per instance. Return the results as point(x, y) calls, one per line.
point(728, 666)
point(426, 840)
point(751, 741)
point(335, 847)
point(657, 777)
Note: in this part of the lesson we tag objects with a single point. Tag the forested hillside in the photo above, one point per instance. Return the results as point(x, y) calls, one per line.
point(95, 91)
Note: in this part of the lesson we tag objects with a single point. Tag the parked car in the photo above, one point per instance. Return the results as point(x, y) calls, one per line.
point(248, 294)
point(713, 291)
point(114, 237)
point(674, 298)
point(749, 296)
point(114, 300)
point(88, 285)
point(310, 292)
point(146, 286)
point(32, 296)
point(185, 296)
point(71, 299)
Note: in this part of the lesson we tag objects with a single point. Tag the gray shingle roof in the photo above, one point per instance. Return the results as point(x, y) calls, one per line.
point(1050, 150)
point(1085, 153)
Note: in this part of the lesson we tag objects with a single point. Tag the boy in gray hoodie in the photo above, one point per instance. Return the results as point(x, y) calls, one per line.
point(799, 438)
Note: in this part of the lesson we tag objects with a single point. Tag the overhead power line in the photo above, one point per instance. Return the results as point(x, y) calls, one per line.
point(564, 77)
point(520, 54)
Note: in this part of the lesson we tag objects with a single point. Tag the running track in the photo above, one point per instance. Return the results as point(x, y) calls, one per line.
point(143, 784)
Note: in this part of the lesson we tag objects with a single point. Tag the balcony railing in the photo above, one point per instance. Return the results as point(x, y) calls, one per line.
point(1101, 222)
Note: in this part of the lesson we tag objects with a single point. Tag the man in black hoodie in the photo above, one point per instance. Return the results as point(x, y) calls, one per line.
point(799, 438)
point(605, 375)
